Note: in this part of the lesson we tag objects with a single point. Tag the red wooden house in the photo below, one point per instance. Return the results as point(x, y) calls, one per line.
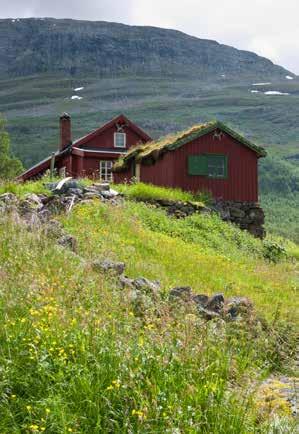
point(91, 155)
point(209, 157)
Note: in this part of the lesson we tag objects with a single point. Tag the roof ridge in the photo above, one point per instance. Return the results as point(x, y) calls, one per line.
point(170, 142)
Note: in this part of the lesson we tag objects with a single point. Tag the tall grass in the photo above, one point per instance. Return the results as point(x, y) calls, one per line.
point(200, 251)
point(75, 358)
point(21, 189)
point(149, 191)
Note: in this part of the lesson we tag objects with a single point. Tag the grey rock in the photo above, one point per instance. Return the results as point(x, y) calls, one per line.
point(69, 184)
point(75, 191)
point(68, 241)
point(101, 186)
point(109, 266)
point(126, 282)
point(147, 286)
point(91, 195)
point(34, 199)
point(54, 229)
point(51, 185)
point(237, 213)
point(32, 221)
point(44, 215)
point(8, 198)
point(201, 300)
point(257, 215)
point(109, 194)
point(165, 202)
point(215, 303)
point(235, 306)
point(207, 313)
point(183, 292)
point(91, 189)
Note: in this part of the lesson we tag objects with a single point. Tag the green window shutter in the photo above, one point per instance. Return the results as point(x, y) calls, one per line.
point(197, 165)
point(217, 166)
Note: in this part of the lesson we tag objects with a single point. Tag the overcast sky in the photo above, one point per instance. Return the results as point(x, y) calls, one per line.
point(267, 27)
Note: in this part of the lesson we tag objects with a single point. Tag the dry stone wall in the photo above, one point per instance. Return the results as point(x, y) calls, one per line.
point(247, 215)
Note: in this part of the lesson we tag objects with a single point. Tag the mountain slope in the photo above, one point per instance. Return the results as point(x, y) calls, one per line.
point(32, 46)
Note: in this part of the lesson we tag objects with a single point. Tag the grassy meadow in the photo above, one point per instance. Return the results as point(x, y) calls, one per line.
point(76, 356)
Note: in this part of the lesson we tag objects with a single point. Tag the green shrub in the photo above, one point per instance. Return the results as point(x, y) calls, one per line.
point(273, 251)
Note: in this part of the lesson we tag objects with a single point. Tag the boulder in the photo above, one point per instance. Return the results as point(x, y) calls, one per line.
point(63, 186)
point(92, 195)
point(207, 314)
point(91, 190)
point(201, 300)
point(183, 292)
point(32, 221)
point(34, 198)
point(107, 265)
point(146, 286)
point(68, 241)
point(8, 198)
point(215, 303)
point(126, 282)
point(141, 285)
point(235, 306)
point(109, 194)
point(75, 191)
point(101, 186)
point(54, 229)
point(256, 214)
point(237, 213)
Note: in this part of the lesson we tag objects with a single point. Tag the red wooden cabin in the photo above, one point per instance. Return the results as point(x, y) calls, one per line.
point(91, 155)
point(209, 157)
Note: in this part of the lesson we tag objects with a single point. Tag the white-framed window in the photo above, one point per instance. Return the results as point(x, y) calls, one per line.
point(120, 140)
point(106, 170)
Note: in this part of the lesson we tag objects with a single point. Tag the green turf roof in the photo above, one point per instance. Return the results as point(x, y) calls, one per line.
point(153, 150)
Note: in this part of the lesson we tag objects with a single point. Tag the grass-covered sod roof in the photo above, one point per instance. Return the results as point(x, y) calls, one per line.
point(153, 150)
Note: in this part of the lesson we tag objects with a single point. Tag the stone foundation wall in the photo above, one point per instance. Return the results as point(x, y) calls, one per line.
point(247, 215)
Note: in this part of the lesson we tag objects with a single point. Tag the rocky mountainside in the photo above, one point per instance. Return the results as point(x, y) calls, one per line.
point(33, 46)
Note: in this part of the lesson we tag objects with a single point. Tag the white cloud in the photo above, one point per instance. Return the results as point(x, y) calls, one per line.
point(268, 27)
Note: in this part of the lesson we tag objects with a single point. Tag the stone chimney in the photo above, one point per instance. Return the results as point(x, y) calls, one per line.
point(65, 131)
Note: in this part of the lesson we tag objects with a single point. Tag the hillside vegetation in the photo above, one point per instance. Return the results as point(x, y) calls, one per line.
point(79, 354)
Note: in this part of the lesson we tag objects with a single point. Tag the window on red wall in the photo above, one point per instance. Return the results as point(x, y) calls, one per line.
point(106, 170)
point(211, 165)
point(120, 140)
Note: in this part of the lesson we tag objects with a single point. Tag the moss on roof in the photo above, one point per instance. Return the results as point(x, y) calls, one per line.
point(155, 149)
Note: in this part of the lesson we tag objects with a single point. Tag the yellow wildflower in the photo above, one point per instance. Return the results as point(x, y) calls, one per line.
point(138, 413)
